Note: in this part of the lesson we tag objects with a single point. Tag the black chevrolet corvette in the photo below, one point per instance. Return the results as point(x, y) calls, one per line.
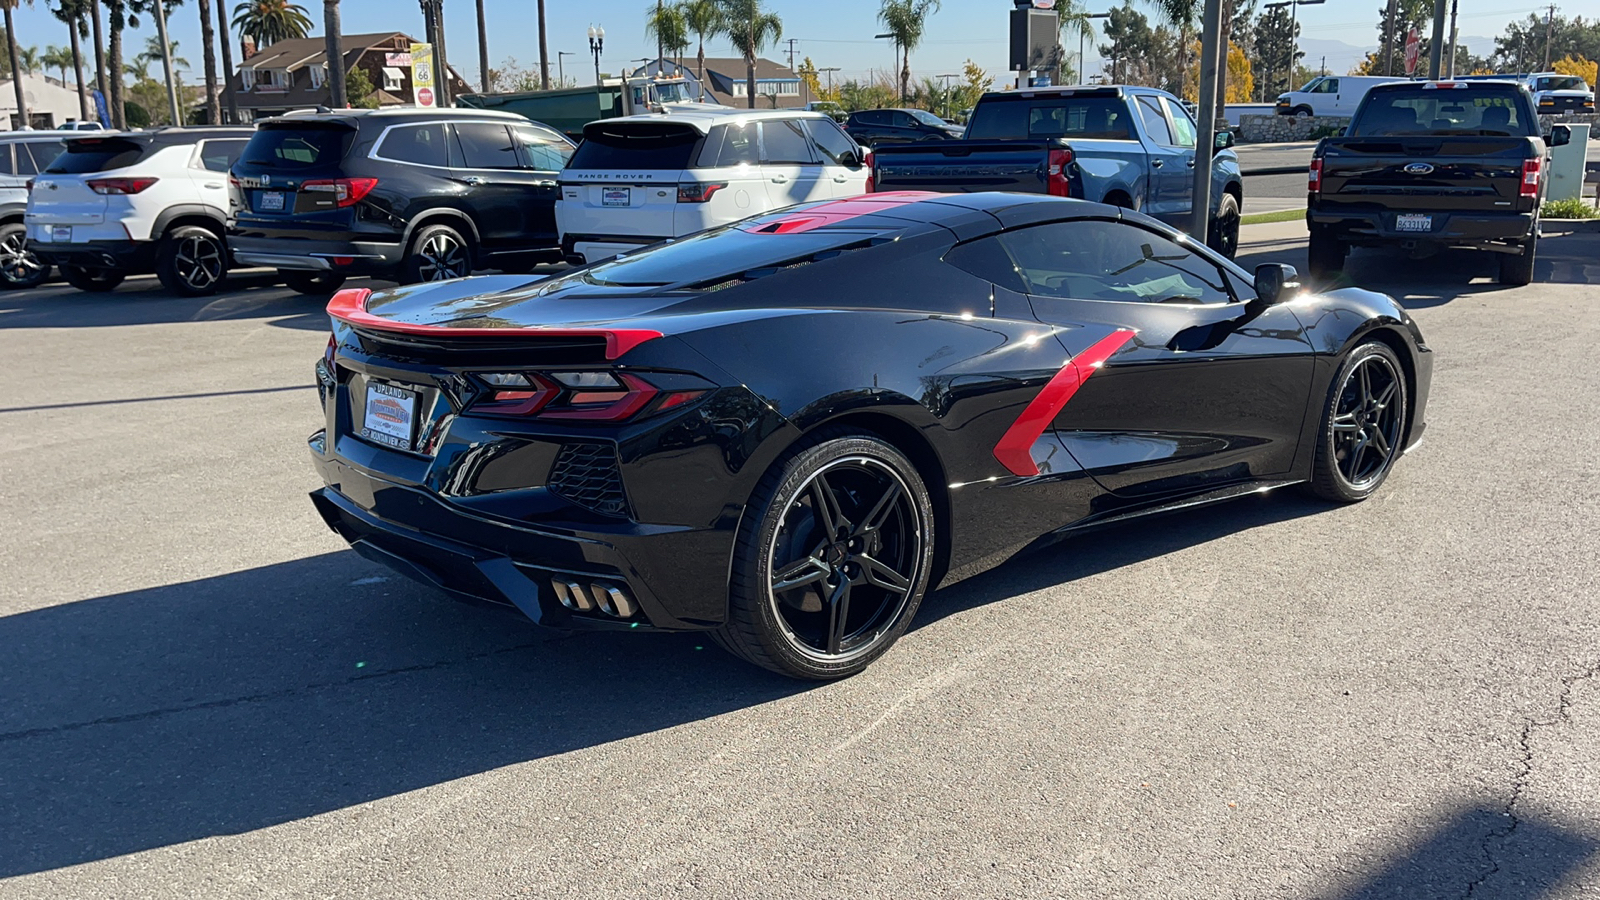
point(786, 430)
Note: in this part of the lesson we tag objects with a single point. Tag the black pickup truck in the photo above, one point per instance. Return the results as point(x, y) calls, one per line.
point(1426, 166)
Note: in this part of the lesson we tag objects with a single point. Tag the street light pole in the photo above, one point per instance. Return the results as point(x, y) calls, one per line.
point(561, 70)
point(1083, 76)
point(947, 92)
point(597, 43)
point(1206, 143)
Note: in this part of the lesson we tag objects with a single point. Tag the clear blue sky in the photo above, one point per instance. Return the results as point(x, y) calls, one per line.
point(831, 32)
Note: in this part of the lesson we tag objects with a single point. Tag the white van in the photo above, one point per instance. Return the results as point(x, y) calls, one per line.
point(637, 180)
point(1329, 95)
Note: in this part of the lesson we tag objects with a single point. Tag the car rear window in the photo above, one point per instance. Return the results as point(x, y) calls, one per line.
point(297, 147)
point(1428, 111)
point(97, 155)
point(1019, 118)
point(638, 145)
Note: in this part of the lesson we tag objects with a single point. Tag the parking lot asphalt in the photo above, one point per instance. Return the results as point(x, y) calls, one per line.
point(203, 693)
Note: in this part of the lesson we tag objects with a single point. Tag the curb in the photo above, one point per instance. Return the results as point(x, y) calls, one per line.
point(1569, 226)
point(1274, 170)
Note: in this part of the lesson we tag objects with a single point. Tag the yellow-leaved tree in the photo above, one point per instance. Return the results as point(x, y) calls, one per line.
point(1241, 81)
point(1577, 65)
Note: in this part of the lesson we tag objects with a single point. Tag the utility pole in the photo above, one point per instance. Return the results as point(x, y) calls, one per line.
point(790, 42)
point(660, 49)
point(1549, 32)
point(1436, 48)
point(830, 70)
point(1452, 66)
point(1206, 144)
point(1389, 32)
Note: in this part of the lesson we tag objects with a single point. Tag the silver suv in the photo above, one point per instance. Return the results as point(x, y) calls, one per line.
point(23, 154)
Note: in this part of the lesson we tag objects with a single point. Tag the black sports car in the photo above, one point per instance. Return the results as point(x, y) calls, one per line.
point(785, 430)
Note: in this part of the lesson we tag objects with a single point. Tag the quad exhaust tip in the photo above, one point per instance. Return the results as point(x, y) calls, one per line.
point(607, 598)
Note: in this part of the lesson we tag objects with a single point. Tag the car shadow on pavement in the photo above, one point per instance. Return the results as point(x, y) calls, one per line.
point(1480, 852)
point(144, 301)
point(1439, 279)
point(230, 704)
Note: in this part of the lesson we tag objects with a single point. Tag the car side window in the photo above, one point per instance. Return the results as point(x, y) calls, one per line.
point(1331, 86)
point(424, 145)
point(25, 162)
point(486, 145)
point(872, 117)
point(985, 258)
point(834, 144)
point(1183, 130)
point(219, 156)
point(783, 141)
point(731, 145)
point(8, 165)
point(1102, 259)
point(1155, 122)
point(903, 120)
point(545, 152)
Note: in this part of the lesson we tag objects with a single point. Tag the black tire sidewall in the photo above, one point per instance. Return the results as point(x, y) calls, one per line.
point(167, 260)
point(753, 631)
point(1218, 222)
point(1517, 271)
point(1327, 481)
point(410, 269)
point(92, 280)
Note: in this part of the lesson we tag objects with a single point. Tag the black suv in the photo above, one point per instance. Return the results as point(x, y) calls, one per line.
point(871, 127)
point(407, 195)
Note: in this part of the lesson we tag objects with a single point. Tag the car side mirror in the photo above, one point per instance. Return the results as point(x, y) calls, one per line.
point(1559, 136)
point(1224, 140)
point(1275, 283)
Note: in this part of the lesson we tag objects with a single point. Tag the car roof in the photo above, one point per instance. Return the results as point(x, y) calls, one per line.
point(704, 119)
point(356, 116)
point(168, 135)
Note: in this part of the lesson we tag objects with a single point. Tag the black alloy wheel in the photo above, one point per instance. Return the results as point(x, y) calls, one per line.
point(1224, 236)
point(832, 561)
point(92, 280)
point(192, 261)
point(438, 253)
point(1363, 425)
point(315, 284)
point(19, 266)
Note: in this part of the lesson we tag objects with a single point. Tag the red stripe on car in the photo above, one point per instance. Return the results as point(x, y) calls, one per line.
point(350, 305)
point(833, 212)
point(1015, 449)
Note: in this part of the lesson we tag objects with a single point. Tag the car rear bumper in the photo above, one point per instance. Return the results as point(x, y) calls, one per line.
point(580, 249)
point(345, 257)
point(122, 256)
point(514, 564)
point(1449, 228)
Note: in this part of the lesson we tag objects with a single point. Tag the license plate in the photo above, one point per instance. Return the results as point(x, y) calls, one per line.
point(271, 200)
point(616, 197)
point(61, 234)
point(1413, 222)
point(391, 416)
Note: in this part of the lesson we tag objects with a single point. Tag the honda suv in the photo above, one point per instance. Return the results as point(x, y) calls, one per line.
point(405, 194)
point(22, 155)
point(115, 205)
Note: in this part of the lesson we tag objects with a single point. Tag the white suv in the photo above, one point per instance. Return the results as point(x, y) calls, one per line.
point(120, 204)
point(641, 179)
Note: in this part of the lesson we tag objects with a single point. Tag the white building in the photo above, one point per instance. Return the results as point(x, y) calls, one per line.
point(49, 104)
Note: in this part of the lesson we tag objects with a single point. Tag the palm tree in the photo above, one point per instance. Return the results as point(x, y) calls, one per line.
point(73, 13)
point(208, 59)
point(750, 29)
point(333, 48)
point(152, 53)
point(667, 26)
point(544, 53)
point(16, 61)
point(57, 58)
point(120, 13)
point(703, 18)
point(1182, 15)
point(270, 21)
point(102, 83)
point(30, 59)
point(906, 20)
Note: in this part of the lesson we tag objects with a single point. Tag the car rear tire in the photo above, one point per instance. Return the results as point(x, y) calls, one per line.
point(1363, 425)
point(315, 284)
point(19, 267)
point(1325, 257)
point(1518, 270)
point(437, 253)
point(832, 559)
point(93, 280)
point(192, 261)
point(1224, 234)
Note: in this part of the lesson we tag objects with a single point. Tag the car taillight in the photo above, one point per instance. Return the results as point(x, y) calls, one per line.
point(1530, 177)
point(698, 192)
point(28, 185)
point(1057, 184)
point(120, 185)
point(598, 396)
point(1314, 180)
point(345, 191)
point(872, 172)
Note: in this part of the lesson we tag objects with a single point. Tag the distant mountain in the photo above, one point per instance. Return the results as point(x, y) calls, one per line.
point(1341, 57)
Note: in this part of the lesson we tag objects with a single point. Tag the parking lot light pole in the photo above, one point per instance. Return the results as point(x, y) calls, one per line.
point(947, 92)
point(597, 43)
point(561, 70)
point(1206, 144)
point(1083, 77)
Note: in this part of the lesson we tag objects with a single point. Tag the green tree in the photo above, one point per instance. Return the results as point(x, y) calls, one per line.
point(270, 21)
point(58, 58)
point(667, 25)
point(703, 19)
point(906, 20)
point(1275, 60)
point(360, 90)
point(750, 29)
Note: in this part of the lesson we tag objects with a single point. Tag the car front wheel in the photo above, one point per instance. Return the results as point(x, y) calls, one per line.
point(19, 266)
point(832, 560)
point(1224, 236)
point(1363, 425)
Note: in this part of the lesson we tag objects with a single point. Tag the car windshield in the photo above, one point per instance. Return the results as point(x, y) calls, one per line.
point(1426, 111)
point(1561, 83)
point(927, 118)
point(728, 252)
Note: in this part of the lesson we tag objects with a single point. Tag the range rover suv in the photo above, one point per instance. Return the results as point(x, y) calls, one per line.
point(406, 195)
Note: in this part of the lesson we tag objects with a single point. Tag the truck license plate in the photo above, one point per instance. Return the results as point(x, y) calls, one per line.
point(616, 197)
point(1413, 222)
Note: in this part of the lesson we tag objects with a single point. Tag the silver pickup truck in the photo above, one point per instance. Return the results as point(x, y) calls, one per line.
point(1127, 146)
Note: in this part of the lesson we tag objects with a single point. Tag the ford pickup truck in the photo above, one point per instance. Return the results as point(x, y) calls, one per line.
point(1426, 166)
point(1126, 146)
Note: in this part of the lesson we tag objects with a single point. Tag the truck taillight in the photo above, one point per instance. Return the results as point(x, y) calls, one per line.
point(1530, 177)
point(1057, 183)
point(1314, 180)
point(119, 185)
point(345, 191)
point(872, 172)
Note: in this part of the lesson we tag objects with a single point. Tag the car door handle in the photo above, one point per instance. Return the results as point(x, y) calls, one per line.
point(473, 179)
point(1190, 163)
point(214, 184)
point(840, 178)
point(780, 179)
point(1155, 163)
